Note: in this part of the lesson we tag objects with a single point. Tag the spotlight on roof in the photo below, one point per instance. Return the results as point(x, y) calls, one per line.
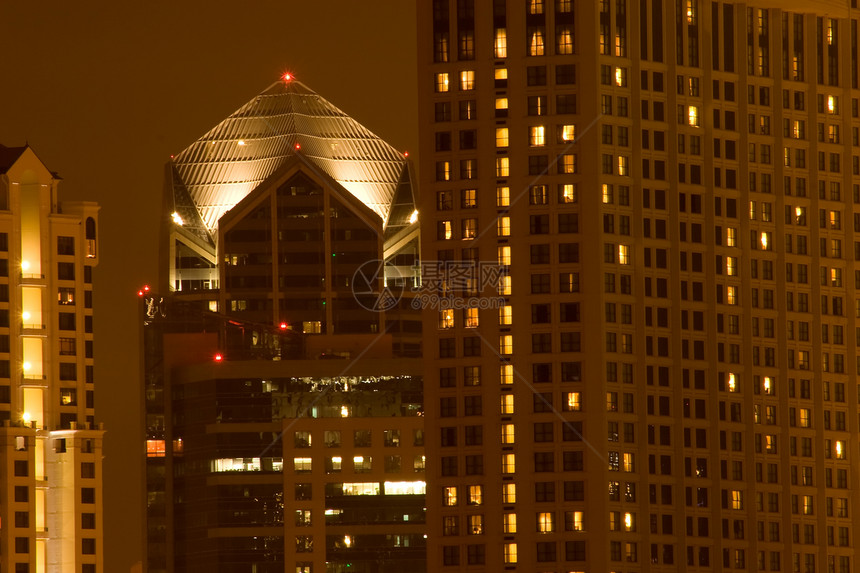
point(413, 217)
point(177, 219)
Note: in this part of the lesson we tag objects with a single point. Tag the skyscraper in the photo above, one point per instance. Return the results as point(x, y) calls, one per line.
point(672, 190)
point(50, 446)
point(283, 400)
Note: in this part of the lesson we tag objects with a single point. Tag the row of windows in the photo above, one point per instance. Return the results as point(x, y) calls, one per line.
point(360, 438)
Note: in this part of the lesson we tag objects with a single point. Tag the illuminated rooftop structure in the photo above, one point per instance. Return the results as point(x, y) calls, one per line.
point(286, 120)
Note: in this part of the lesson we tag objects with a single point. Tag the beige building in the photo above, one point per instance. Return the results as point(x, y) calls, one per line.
point(672, 190)
point(50, 447)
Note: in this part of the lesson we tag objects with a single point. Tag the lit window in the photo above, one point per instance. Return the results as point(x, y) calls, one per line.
point(535, 6)
point(691, 12)
point(509, 494)
point(501, 137)
point(500, 45)
point(507, 433)
point(506, 315)
point(733, 385)
point(476, 525)
point(767, 384)
point(155, 448)
point(446, 318)
point(624, 254)
point(731, 237)
point(808, 505)
point(732, 266)
point(805, 418)
point(509, 464)
point(572, 402)
point(627, 462)
point(841, 450)
point(737, 499)
point(537, 136)
point(302, 465)
point(566, 133)
point(564, 40)
point(621, 77)
point(504, 252)
point(502, 103)
point(467, 80)
point(509, 521)
point(568, 193)
point(503, 196)
point(693, 116)
point(503, 166)
point(445, 230)
point(567, 163)
point(629, 521)
point(836, 277)
point(833, 104)
point(536, 42)
point(476, 495)
point(607, 194)
point(471, 318)
point(469, 228)
point(510, 553)
point(442, 82)
point(506, 374)
point(798, 129)
point(623, 162)
point(505, 285)
point(362, 464)
point(501, 74)
point(449, 495)
point(770, 444)
point(546, 522)
point(507, 403)
point(503, 226)
point(574, 521)
point(732, 295)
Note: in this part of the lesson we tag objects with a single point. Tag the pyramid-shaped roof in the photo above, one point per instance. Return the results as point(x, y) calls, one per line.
point(221, 168)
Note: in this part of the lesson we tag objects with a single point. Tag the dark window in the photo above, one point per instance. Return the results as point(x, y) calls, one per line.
point(67, 321)
point(22, 493)
point(68, 371)
point(22, 519)
point(544, 491)
point(88, 546)
point(21, 468)
point(65, 245)
point(66, 271)
point(88, 470)
point(536, 75)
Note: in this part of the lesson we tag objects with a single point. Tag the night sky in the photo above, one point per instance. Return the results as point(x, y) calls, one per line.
point(105, 92)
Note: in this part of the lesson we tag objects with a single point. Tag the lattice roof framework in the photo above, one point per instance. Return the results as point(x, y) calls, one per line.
point(221, 168)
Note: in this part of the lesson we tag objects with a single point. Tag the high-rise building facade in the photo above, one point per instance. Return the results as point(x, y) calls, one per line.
point(672, 190)
point(50, 446)
point(289, 239)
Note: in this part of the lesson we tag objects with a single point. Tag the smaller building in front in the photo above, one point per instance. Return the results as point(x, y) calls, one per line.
point(276, 461)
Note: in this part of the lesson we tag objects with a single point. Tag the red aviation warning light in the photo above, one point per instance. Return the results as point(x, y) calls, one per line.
point(283, 326)
point(218, 357)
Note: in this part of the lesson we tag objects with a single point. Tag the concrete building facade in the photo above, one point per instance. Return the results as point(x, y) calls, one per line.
point(50, 445)
point(672, 190)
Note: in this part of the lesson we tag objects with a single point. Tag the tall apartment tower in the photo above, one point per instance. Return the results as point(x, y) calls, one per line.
point(673, 191)
point(50, 448)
